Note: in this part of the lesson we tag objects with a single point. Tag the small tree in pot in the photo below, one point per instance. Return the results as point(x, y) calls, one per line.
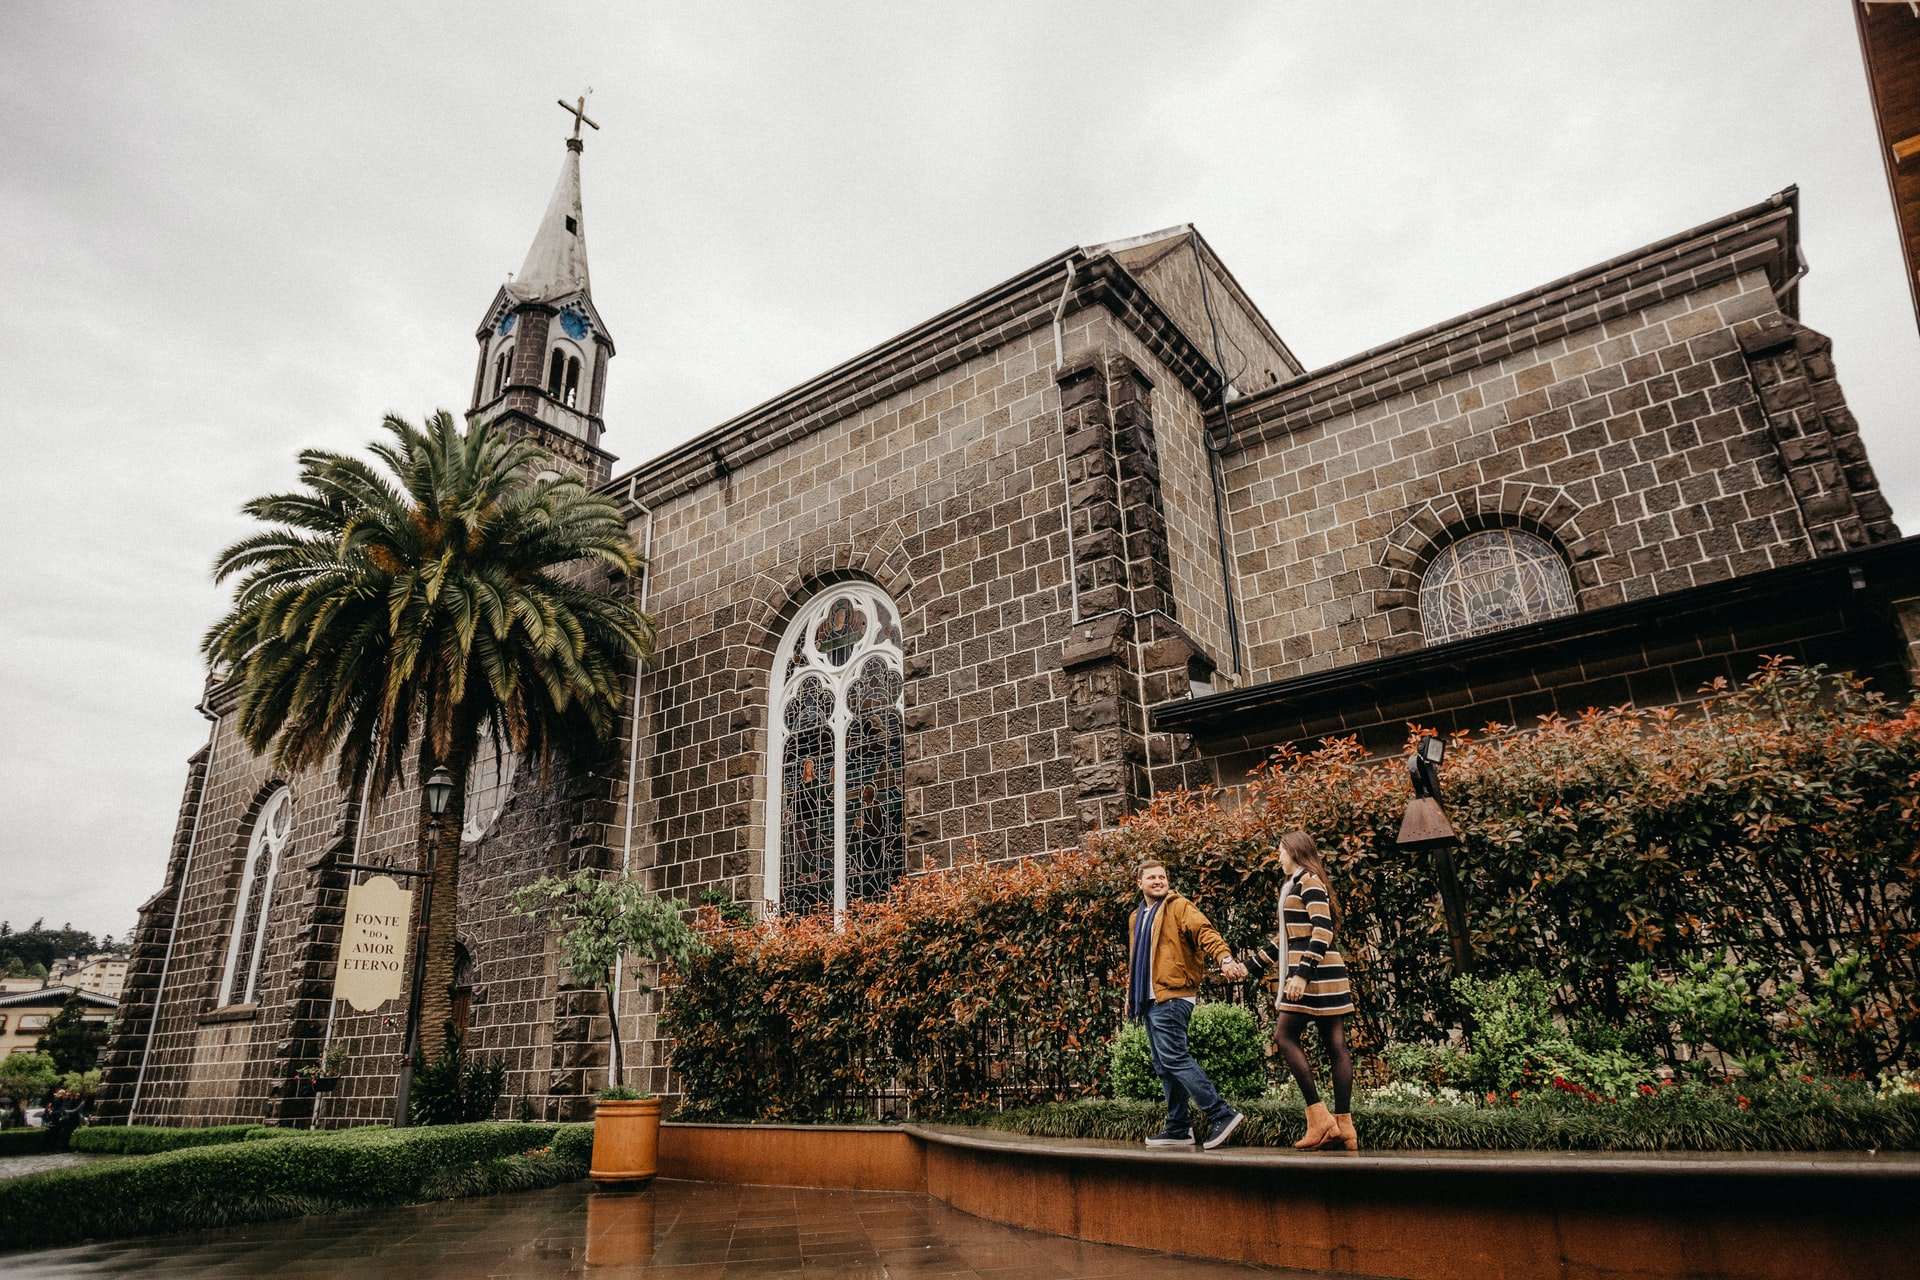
point(599, 919)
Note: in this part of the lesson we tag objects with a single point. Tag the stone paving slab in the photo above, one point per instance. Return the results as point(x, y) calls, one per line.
point(682, 1230)
point(21, 1166)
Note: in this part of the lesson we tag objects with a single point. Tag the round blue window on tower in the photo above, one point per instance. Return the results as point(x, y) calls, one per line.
point(506, 324)
point(574, 323)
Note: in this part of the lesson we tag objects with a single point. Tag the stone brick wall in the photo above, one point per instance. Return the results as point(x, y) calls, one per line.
point(1043, 516)
point(1628, 427)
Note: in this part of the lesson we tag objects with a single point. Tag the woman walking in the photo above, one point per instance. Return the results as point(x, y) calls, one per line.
point(1313, 988)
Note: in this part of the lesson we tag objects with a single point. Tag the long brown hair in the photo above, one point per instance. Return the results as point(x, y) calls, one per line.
point(1300, 846)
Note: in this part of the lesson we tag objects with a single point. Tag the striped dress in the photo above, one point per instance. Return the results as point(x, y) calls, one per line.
point(1304, 946)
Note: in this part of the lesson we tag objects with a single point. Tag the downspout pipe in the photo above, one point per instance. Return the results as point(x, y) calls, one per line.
point(1066, 487)
point(633, 736)
point(1214, 452)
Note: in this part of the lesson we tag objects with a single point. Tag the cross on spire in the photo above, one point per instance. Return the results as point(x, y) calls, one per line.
point(579, 113)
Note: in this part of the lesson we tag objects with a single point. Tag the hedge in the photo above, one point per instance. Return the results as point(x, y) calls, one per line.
point(22, 1142)
point(1776, 1118)
point(1774, 824)
point(286, 1175)
point(146, 1140)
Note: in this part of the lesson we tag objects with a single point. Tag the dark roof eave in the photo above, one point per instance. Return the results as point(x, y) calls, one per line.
point(1522, 645)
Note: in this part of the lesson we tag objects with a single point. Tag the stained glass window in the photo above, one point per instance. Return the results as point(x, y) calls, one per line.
point(489, 784)
point(255, 908)
point(836, 817)
point(1492, 580)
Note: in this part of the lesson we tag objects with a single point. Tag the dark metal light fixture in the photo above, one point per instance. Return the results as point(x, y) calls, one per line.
point(1425, 826)
point(439, 791)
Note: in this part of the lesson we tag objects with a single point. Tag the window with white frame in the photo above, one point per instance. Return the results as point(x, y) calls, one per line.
point(1492, 580)
point(837, 753)
point(248, 940)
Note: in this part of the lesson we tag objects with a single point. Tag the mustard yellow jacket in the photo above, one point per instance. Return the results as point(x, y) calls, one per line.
point(1183, 942)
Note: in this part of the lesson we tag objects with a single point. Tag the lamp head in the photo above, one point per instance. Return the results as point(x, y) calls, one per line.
point(1432, 749)
point(439, 791)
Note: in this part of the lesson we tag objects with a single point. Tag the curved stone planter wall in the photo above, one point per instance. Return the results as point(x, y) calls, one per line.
point(1416, 1215)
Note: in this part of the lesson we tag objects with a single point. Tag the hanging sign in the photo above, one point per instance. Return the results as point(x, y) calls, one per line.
point(373, 943)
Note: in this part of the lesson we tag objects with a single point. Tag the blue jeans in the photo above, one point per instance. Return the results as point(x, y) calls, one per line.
point(1180, 1075)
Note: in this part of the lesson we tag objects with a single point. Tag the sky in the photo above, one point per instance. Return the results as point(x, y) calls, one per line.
point(228, 232)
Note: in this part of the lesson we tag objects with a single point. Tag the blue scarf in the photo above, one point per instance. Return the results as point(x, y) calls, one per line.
point(1140, 980)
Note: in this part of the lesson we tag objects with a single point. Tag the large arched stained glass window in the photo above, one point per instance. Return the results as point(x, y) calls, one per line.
point(247, 942)
point(1492, 580)
point(837, 753)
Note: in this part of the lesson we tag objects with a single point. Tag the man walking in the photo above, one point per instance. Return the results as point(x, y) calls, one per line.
point(1165, 938)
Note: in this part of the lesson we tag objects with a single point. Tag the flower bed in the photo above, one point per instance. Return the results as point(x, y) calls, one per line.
point(1764, 1116)
point(286, 1175)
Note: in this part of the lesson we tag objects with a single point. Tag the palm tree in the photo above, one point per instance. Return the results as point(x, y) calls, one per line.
point(391, 614)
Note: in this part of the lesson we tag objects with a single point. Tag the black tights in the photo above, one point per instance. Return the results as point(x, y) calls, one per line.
point(1333, 1037)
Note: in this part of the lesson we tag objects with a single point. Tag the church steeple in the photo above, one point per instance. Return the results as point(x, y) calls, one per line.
point(543, 347)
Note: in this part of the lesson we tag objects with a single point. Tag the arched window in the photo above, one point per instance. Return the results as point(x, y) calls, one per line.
point(248, 939)
point(502, 366)
point(837, 753)
point(489, 784)
point(1492, 580)
point(556, 372)
point(570, 390)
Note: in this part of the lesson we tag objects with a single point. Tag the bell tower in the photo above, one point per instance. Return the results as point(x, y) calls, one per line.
point(543, 349)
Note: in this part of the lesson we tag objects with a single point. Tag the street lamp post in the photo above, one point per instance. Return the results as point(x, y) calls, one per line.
point(439, 789)
point(1425, 826)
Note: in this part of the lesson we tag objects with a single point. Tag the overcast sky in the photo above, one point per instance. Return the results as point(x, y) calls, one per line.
point(231, 231)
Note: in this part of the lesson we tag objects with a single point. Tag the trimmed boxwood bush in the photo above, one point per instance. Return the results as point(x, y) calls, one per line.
point(1785, 1116)
point(1225, 1040)
point(284, 1176)
point(23, 1142)
point(146, 1140)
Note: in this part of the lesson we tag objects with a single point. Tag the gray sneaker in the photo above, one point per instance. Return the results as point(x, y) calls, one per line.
point(1223, 1129)
point(1169, 1138)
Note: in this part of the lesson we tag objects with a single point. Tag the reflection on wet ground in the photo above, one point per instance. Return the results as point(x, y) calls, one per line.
point(682, 1230)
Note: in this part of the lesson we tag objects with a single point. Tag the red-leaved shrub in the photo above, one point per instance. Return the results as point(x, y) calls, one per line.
point(1776, 821)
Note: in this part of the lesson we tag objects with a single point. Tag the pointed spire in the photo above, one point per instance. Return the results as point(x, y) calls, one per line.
point(557, 261)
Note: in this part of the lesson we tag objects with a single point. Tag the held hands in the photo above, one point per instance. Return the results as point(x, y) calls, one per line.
point(1295, 988)
point(1234, 970)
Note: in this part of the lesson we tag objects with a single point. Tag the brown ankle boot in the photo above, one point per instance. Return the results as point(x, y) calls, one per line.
point(1344, 1136)
point(1320, 1127)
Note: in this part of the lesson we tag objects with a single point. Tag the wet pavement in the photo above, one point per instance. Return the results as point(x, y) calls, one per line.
point(20, 1166)
point(672, 1231)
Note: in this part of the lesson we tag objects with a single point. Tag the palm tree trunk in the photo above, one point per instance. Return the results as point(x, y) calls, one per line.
point(443, 925)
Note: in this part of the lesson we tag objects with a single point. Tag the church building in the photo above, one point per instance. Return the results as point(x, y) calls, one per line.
point(1088, 536)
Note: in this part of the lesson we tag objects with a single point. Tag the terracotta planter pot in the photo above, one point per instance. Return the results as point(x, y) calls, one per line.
point(626, 1141)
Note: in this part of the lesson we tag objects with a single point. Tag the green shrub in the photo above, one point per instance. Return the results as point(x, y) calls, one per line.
point(1225, 1040)
point(455, 1088)
point(24, 1142)
point(1130, 1066)
point(1517, 1046)
point(278, 1177)
point(1785, 1116)
point(145, 1140)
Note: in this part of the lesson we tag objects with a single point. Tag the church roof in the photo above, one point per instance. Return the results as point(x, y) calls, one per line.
point(557, 260)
